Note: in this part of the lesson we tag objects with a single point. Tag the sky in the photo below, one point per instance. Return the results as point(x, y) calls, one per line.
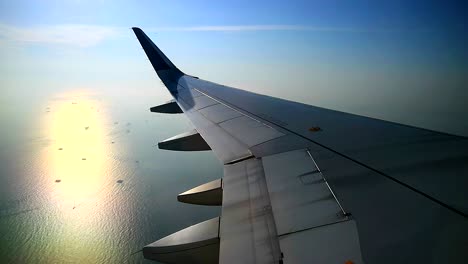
point(403, 61)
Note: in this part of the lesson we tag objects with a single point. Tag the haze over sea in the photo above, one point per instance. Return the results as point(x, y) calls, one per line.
point(75, 89)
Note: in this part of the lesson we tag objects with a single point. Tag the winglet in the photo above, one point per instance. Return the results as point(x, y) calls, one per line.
point(155, 55)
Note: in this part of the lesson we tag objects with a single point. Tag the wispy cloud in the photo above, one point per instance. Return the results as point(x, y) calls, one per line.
point(70, 35)
point(83, 36)
point(257, 28)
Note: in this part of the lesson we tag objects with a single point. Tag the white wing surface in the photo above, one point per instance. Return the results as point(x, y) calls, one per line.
point(303, 184)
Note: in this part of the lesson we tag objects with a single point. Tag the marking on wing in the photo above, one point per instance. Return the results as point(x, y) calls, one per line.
point(248, 130)
point(315, 129)
point(219, 113)
point(234, 109)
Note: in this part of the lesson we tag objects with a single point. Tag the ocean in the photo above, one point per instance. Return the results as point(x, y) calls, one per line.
point(83, 181)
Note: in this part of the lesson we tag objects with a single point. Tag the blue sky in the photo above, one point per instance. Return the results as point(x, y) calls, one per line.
point(405, 61)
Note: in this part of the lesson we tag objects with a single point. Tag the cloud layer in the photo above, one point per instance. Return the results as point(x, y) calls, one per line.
point(257, 28)
point(83, 36)
point(71, 35)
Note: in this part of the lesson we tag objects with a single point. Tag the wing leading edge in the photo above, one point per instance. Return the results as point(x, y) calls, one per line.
point(305, 184)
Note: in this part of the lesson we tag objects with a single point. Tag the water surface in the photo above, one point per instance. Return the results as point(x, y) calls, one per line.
point(82, 181)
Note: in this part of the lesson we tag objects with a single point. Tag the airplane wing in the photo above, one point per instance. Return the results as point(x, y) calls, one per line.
point(304, 184)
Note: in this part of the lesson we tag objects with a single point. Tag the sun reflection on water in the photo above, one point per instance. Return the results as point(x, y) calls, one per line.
point(82, 192)
point(78, 162)
point(104, 208)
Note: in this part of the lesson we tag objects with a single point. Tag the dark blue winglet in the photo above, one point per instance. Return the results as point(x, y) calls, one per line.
point(155, 55)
